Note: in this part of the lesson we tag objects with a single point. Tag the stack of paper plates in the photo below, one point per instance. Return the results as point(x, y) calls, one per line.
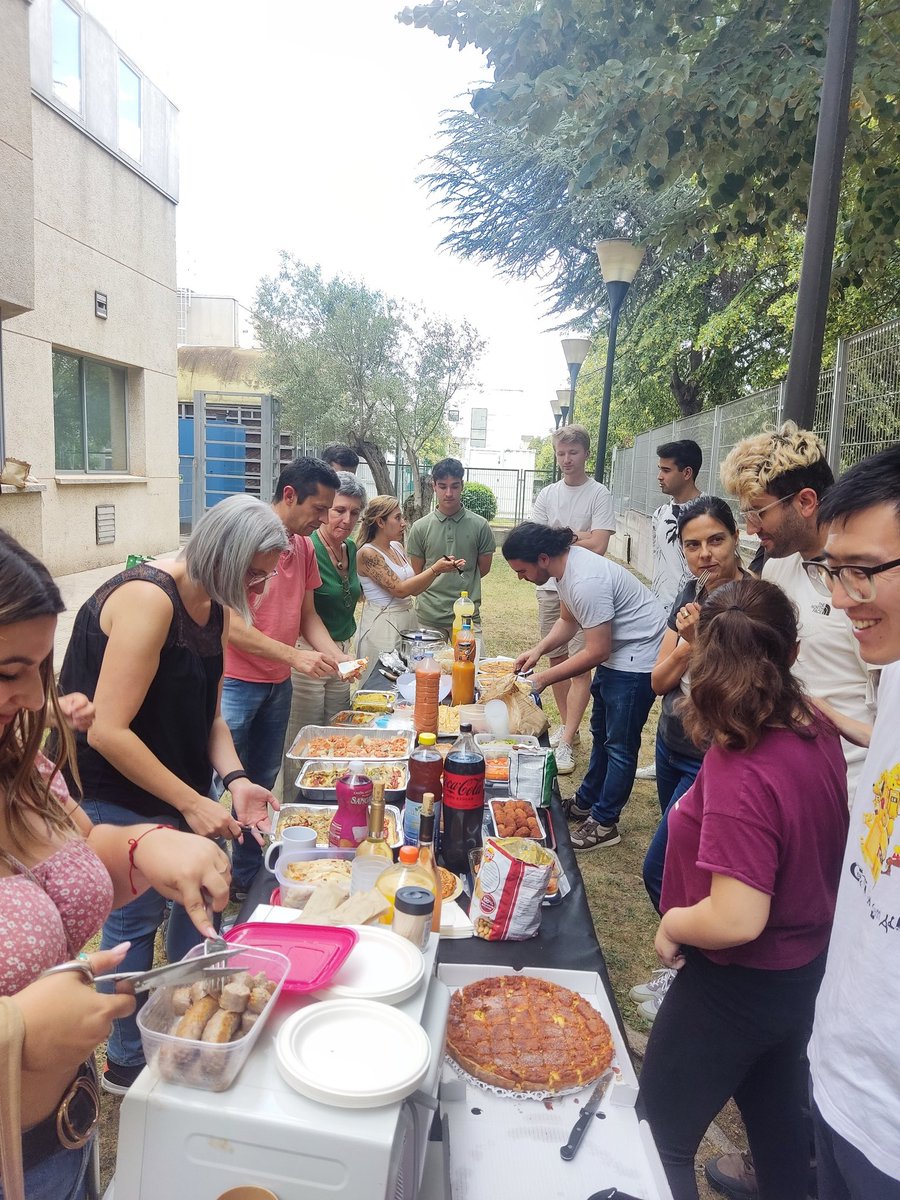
point(382, 966)
point(352, 1053)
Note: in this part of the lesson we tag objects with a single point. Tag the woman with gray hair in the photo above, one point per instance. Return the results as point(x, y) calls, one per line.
point(148, 649)
point(315, 701)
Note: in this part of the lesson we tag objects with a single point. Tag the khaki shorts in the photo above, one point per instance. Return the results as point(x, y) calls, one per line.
point(548, 615)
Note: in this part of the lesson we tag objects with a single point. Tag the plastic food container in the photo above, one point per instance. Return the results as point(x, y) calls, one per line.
point(315, 952)
point(309, 743)
point(357, 719)
point(473, 714)
point(387, 771)
point(379, 701)
point(204, 1065)
point(295, 892)
point(527, 805)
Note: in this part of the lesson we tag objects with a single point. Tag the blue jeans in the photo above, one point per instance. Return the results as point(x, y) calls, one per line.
point(257, 715)
point(674, 775)
point(622, 701)
point(843, 1172)
point(137, 923)
point(62, 1176)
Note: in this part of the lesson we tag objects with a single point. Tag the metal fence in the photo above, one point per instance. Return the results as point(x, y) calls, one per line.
point(857, 413)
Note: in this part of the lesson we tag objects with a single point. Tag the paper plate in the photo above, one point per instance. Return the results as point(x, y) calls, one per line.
point(352, 1053)
point(381, 967)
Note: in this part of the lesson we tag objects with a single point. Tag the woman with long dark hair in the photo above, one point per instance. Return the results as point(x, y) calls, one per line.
point(59, 877)
point(749, 887)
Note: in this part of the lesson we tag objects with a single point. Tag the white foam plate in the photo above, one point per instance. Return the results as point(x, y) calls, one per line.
point(381, 966)
point(352, 1053)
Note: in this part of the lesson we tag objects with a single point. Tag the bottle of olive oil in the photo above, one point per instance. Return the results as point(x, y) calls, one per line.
point(373, 855)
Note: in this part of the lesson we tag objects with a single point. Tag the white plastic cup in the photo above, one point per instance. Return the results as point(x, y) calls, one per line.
point(293, 837)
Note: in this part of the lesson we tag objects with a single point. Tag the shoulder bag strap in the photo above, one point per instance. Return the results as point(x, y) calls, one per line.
point(12, 1035)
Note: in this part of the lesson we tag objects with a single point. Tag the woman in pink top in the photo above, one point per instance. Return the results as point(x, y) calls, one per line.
point(749, 888)
point(59, 877)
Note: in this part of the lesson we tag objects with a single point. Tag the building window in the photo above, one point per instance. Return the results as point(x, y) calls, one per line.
point(479, 428)
point(129, 111)
point(66, 24)
point(89, 414)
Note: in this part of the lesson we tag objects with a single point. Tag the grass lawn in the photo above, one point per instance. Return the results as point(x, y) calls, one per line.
point(623, 916)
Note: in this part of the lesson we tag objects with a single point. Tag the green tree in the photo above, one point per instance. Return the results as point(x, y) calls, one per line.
point(352, 364)
point(717, 96)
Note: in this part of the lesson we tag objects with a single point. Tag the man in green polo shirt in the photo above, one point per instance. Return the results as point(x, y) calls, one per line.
point(450, 529)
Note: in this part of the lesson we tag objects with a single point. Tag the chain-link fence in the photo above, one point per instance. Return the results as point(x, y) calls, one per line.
point(857, 413)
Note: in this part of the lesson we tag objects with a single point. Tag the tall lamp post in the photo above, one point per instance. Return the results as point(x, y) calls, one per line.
point(576, 351)
point(620, 260)
point(560, 408)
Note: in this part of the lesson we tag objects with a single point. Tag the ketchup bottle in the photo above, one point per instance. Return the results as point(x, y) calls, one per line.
point(463, 802)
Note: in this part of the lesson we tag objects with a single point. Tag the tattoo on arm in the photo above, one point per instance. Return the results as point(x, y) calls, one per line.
point(379, 572)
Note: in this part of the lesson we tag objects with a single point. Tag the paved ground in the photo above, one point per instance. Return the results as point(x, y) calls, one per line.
point(75, 590)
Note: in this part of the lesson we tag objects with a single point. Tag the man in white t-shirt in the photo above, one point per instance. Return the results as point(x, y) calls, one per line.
point(854, 1049)
point(586, 507)
point(678, 465)
point(779, 480)
point(623, 624)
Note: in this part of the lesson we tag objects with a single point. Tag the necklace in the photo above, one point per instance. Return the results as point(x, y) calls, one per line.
point(342, 570)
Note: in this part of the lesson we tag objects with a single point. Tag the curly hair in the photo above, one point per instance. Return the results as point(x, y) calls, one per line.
point(741, 680)
point(779, 463)
point(27, 591)
point(528, 541)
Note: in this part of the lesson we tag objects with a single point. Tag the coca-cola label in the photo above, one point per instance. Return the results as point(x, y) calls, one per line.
point(463, 791)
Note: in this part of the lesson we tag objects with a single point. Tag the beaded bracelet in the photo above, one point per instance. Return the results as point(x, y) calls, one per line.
point(132, 846)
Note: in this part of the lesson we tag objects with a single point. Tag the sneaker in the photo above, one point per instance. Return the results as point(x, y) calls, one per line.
point(117, 1079)
point(238, 893)
point(573, 811)
point(733, 1175)
point(646, 772)
point(657, 985)
point(592, 835)
point(565, 759)
point(556, 737)
point(649, 1008)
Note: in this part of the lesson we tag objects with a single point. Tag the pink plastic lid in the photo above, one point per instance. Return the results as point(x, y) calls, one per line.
point(316, 952)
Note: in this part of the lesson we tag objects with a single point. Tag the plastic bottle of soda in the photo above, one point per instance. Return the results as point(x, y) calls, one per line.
point(425, 768)
point(353, 791)
point(464, 665)
point(428, 683)
point(462, 608)
point(463, 801)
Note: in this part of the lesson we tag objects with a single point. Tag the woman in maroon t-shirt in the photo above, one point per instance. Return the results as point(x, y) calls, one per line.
point(749, 887)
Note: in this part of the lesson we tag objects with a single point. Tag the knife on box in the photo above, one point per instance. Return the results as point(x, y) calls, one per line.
point(569, 1150)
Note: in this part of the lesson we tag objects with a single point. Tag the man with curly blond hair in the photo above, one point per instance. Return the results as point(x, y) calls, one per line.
point(779, 479)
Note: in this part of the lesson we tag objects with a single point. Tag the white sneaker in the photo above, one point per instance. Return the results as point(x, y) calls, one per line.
point(657, 985)
point(556, 737)
point(646, 772)
point(565, 759)
point(649, 1008)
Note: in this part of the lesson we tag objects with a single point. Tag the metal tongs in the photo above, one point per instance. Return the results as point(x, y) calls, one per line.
point(206, 967)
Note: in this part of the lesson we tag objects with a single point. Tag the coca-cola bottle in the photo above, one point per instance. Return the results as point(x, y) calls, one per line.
point(463, 801)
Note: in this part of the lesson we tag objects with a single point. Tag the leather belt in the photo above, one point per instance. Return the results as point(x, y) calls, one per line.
point(71, 1125)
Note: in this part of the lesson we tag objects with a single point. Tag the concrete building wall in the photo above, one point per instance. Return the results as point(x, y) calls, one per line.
point(16, 184)
point(97, 224)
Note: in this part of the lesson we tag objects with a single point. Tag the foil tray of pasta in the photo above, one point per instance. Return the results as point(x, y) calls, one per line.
point(318, 816)
point(342, 744)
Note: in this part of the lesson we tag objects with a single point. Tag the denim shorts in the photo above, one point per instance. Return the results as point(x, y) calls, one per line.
point(62, 1176)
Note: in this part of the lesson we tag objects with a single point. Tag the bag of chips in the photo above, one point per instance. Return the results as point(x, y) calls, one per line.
point(509, 889)
point(531, 775)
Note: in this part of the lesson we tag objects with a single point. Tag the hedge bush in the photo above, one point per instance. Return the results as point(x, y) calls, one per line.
point(480, 499)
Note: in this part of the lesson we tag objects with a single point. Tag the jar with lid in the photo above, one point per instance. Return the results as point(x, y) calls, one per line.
point(413, 908)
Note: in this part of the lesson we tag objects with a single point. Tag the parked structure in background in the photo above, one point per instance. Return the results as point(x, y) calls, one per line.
point(858, 413)
point(88, 307)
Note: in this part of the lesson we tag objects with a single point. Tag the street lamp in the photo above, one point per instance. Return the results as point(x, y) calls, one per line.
point(560, 408)
point(576, 351)
point(557, 410)
point(619, 263)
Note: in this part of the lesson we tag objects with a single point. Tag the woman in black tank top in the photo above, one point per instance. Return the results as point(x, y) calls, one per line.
point(148, 649)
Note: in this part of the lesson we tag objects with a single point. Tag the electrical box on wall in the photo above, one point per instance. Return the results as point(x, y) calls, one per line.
point(105, 521)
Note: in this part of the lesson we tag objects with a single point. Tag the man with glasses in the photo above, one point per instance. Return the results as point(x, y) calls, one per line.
point(256, 691)
point(780, 480)
point(853, 1052)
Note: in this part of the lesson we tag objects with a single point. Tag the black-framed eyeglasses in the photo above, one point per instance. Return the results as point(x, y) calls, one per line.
point(753, 516)
point(857, 582)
